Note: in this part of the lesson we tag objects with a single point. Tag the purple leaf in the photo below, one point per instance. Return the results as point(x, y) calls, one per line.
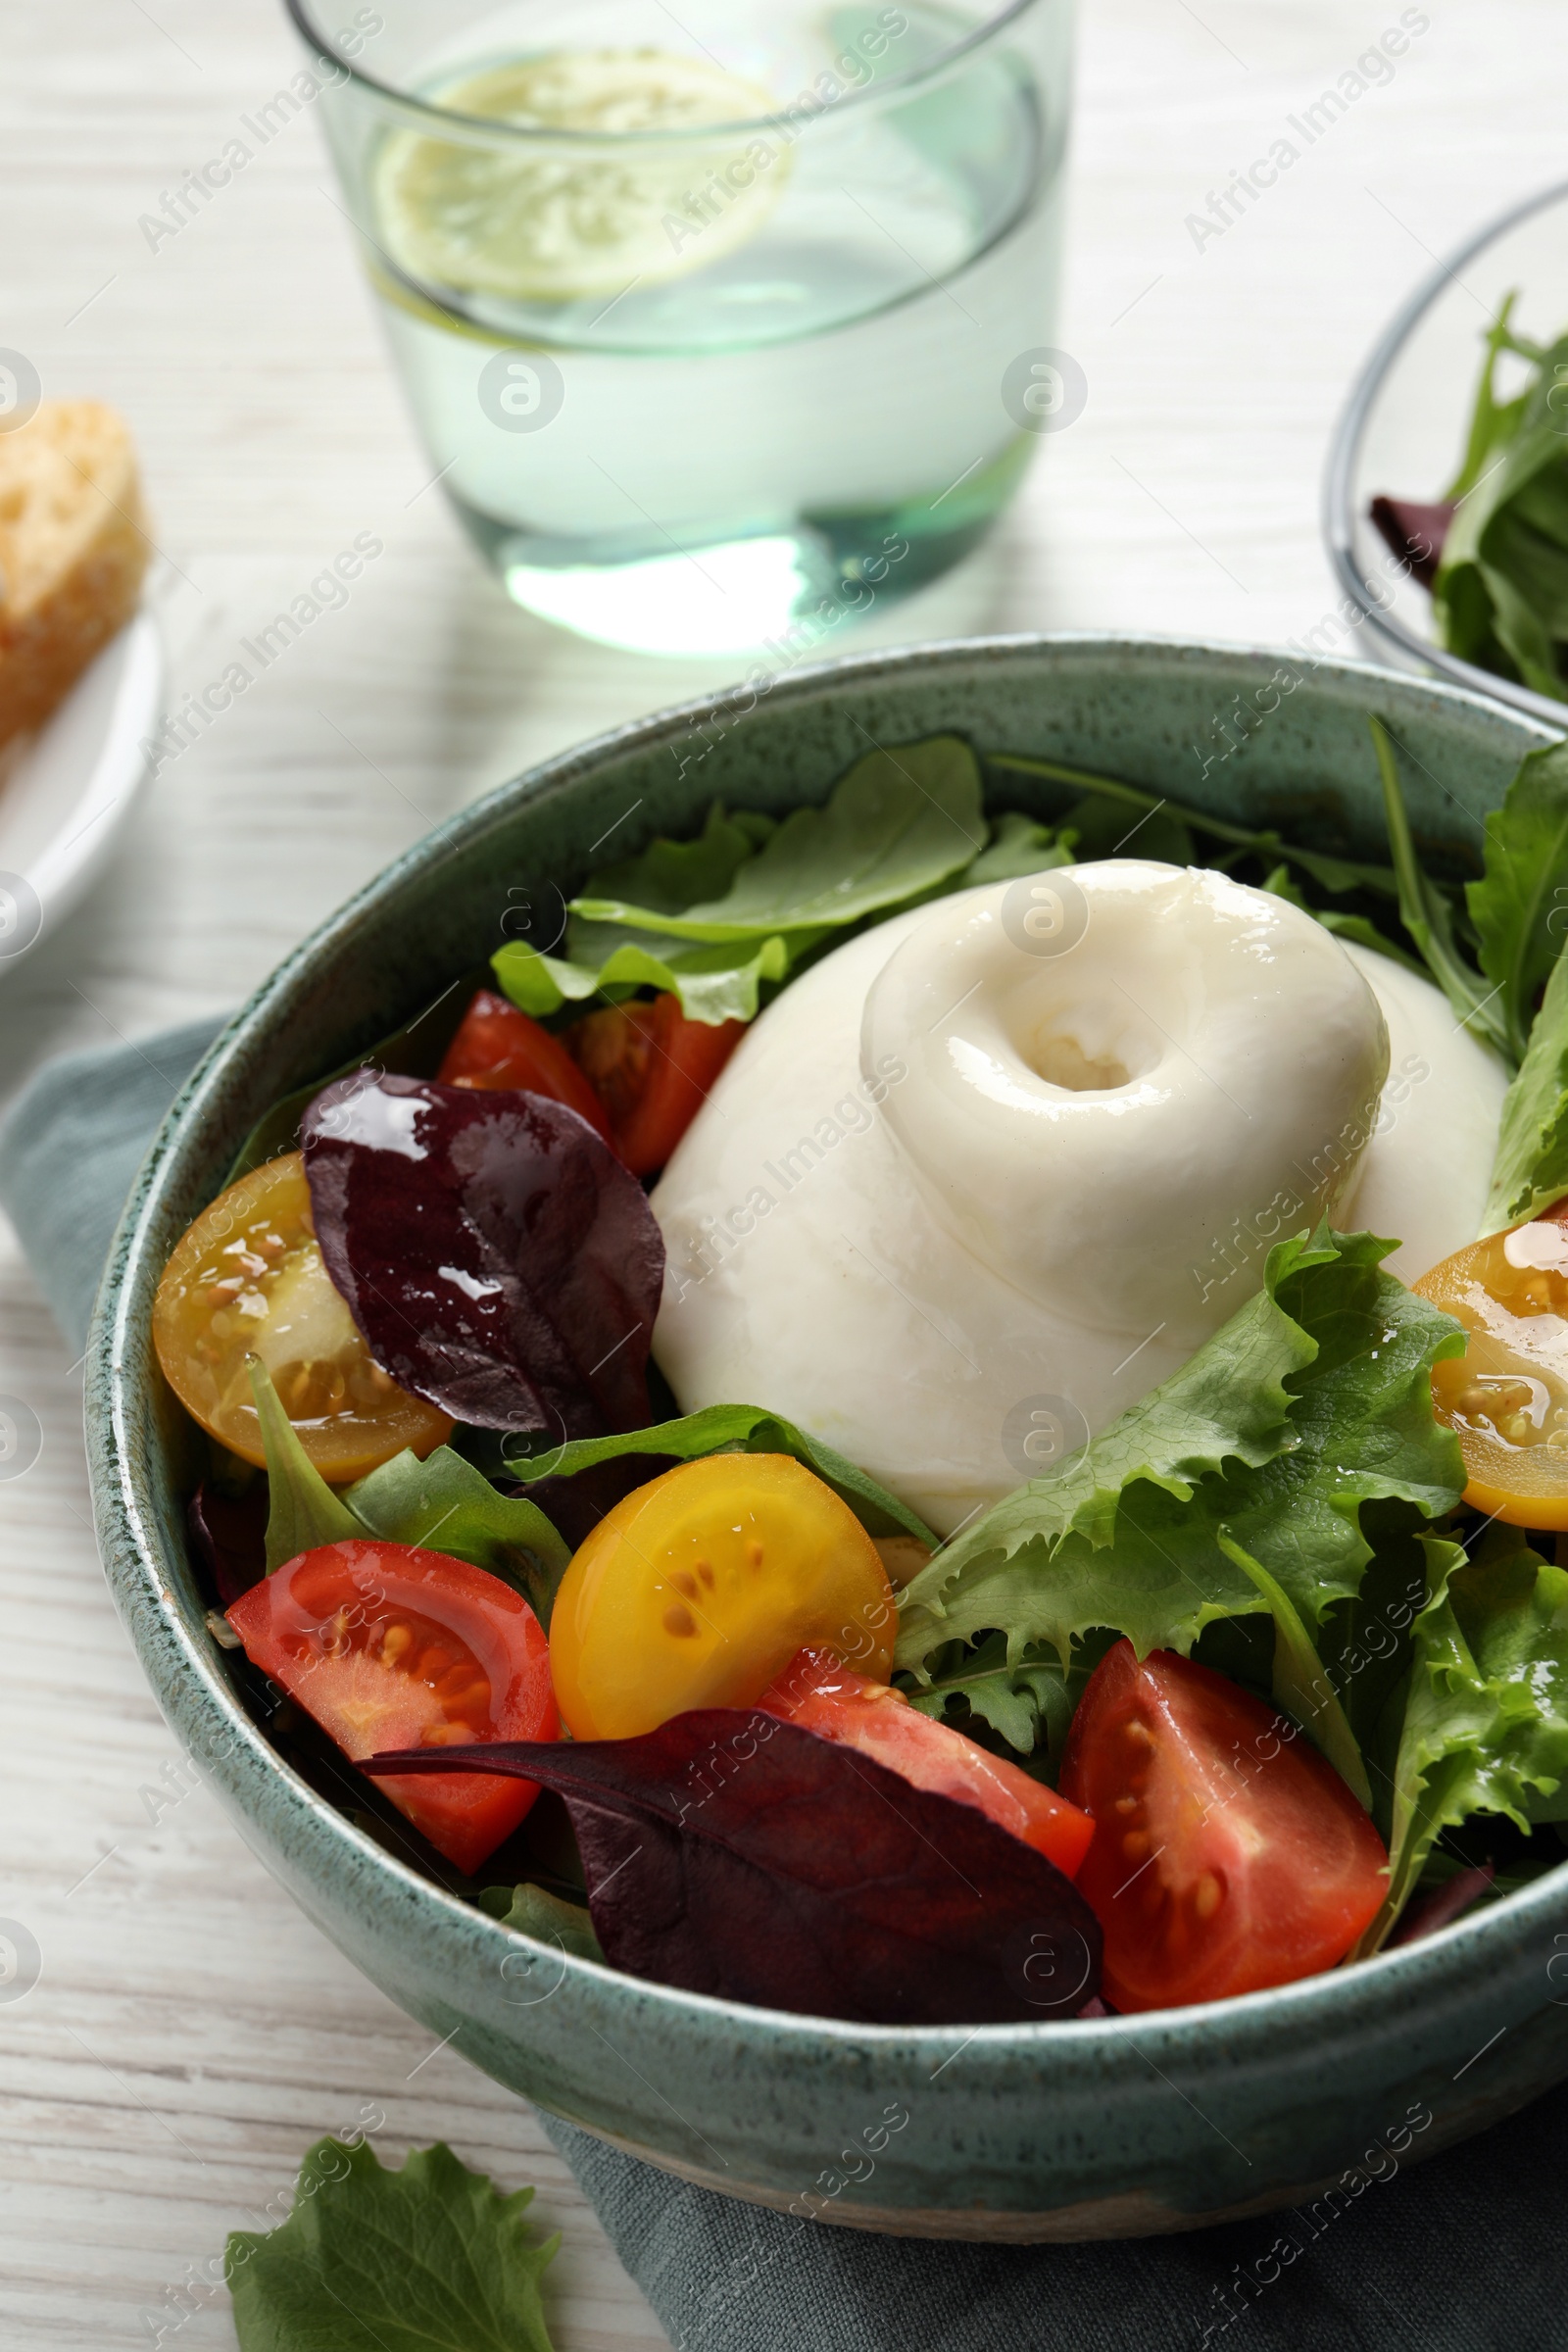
point(1440, 1906)
point(1414, 532)
point(731, 1853)
point(495, 1254)
point(229, 1535)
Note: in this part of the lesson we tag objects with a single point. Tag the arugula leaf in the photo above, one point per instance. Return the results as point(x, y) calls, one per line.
point(533, 1911)
point(1501, 596)
point(1427, 914)
point(1486, 1723)
point(424, 2259)
point(446, 1504)
point(1520, 905)
point(735, 1429)
point(748, 902)
point(714, 983)
point(302, 1509)
point(1493, 422)
point(1314, 1399)
point(898, 824)
point(1356, 928)
point(1531, 1169)
point(1018, 846)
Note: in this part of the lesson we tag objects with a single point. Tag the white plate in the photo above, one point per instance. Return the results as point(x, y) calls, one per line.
point(67, 791)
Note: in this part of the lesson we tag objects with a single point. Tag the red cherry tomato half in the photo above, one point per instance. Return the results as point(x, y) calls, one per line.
point(500, 1047)
point(651, 1068)
point(1228, 1855)
point(390, 1646)
point(820, 1695)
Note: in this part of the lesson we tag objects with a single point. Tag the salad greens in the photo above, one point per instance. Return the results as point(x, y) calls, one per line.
point(1517, 916)
point(548, 1918)
point(1500, 595)
point(1486, 1722)
point(734, 1429)
point(1235, 1487)
point(443, 1504)
point(422, 2259)
point(751, 902)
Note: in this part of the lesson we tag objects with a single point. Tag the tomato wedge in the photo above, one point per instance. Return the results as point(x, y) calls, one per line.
point(1506, 1397)
point(822, 1696)
point(499, 1048)
point(386, 1646)
point(1228, 1855)
point(651, 1068)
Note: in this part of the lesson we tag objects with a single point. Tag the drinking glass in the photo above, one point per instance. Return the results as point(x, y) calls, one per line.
point(721, 323)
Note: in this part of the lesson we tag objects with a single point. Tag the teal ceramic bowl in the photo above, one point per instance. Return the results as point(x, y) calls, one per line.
point(1115, 2128)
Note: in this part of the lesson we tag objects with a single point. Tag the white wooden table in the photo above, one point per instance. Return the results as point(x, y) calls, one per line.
point(192, 2033)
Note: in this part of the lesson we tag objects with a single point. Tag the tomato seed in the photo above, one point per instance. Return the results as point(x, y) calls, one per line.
point(396, 1639)
point(680, 1622)
point(433, 1664)
point(1135, 1845)
point(684, 1582)
point(1207, 1896)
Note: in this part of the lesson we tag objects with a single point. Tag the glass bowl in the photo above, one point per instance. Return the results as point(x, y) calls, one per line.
point(1402, 430)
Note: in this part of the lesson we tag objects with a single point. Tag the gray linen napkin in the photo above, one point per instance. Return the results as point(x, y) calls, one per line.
point(1467, 2254)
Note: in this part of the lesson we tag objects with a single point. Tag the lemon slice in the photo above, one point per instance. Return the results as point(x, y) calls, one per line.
point(556, 223)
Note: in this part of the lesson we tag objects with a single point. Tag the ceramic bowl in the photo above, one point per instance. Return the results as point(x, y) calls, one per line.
point(1119, 2127)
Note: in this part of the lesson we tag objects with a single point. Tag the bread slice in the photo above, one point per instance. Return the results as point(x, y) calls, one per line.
point(73, 552)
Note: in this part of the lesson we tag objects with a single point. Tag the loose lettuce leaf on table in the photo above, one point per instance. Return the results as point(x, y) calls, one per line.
point(734, 1429)
point(424, 2259)
point(1314, 1399)
point(495, 1255)
point(1486, 1720)
point(731, 1853)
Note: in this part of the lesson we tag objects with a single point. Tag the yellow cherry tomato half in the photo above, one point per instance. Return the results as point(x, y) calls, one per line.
point(698, 1588)
point(1506, 1397)
point(248, 1279)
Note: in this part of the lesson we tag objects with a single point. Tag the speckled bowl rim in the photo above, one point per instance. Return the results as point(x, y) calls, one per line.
point(1433, 1970)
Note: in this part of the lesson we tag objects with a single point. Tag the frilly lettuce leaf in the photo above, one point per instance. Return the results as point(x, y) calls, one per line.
point(1313, 1398)
point(1486, 1720)
point(422, 2259)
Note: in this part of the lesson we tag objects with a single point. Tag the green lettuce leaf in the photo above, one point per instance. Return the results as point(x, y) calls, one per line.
point(607, 961)
point(429, 2258)
point(443, 1504)
point(1314, 1399)
point(1018, 846)
point(549, 1919)
point(1486, 1720)
point(735, 1429)
point(301, 1510)
point(446, 1504)
point(898, 825)
point(1520, 905)
point(1531, 1169)
point(1429, 919)
point(1025, 1699)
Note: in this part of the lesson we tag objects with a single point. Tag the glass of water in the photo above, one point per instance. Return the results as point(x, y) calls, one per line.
point(721, 323)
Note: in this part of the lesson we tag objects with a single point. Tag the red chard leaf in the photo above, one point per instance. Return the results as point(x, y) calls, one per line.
point(230, 1536)
point(731, 1853)
point(493, 1251)
point(1414, 532)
